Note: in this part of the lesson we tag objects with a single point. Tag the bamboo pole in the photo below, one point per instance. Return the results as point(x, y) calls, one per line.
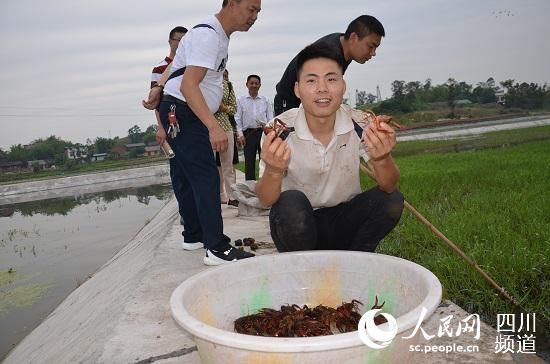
point(365, 169)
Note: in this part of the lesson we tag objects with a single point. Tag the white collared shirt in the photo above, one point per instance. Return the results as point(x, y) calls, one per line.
point(327, 175)
point(251, 111)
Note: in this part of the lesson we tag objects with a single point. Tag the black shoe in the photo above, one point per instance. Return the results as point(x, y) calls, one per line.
point(227, 254)
point(233, 203)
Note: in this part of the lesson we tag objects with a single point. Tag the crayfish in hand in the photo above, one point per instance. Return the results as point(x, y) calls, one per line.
point(370, 117)
point(281, 129)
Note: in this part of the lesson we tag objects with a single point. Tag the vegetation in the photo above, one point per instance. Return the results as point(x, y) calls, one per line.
point(491, 203)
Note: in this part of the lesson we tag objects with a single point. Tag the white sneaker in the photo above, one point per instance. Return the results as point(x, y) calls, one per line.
point(192, 246)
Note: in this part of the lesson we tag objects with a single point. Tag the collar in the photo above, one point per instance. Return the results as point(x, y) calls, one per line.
point(342, 125)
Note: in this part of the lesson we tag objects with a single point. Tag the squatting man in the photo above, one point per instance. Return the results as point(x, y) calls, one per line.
point(311, 179)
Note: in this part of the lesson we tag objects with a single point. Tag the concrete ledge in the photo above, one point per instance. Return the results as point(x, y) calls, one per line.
point(82, 184)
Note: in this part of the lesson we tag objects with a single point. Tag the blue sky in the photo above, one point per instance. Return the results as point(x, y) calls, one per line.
point(78, 69)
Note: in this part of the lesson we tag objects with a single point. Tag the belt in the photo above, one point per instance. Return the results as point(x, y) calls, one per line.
point(170, 98)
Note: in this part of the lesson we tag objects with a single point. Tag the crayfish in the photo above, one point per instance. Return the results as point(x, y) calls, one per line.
point(370, 117)
point(296, 321)
point(281, 129)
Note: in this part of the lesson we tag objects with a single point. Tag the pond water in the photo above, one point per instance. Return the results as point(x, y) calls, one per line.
point(49, 247)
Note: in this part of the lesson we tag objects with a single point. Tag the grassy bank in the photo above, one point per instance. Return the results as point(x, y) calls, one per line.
point(494, 205)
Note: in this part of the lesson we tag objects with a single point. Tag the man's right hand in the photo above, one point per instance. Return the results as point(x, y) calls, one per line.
point(218, 139)
point(241, 140)
point(161, 135)
point(275, 153)
point(153, 99)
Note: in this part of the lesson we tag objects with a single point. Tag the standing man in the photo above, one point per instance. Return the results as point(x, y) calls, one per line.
point(311, 179)
point(174, 38)
point(190, 101)
point(358, 43)
point(253, 112)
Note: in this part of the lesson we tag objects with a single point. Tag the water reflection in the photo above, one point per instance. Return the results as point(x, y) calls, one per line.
point(62, 206)
point(50, 247)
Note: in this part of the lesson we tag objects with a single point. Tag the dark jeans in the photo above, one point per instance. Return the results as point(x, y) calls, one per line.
point(252, 146)
point(359, 224)
point(175, 177)
point(199, 187)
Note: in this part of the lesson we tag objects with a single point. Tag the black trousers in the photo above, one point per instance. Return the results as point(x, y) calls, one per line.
point(251, 147)
point(359, 224)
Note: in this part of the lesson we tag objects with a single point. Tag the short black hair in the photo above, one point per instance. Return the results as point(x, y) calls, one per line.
point(177, 30)
point(317, 50)
point(363, 26)
point(224, 2)
point(253, 76)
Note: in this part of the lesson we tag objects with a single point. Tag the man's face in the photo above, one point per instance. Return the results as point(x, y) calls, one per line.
point(174, 41)
point(364, 49)
point(253, 85)
point(245, 13)
point(320, 86)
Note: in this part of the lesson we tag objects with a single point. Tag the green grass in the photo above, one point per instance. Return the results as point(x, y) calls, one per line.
point(494, 205)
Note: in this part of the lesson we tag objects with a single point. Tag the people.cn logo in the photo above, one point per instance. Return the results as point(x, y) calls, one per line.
point(373, 336)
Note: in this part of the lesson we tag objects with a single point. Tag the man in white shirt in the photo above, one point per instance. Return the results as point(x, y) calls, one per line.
point(192, 94)
point(311, 179)
point(253, 112)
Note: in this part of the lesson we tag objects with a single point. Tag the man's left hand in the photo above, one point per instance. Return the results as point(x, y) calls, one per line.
point(379, 141)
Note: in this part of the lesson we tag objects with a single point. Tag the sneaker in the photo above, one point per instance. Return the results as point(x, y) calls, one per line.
point(225, 255)
point(233, 203)
point(192, 246)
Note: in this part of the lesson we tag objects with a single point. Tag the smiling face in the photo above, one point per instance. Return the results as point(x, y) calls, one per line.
point(320, 87)
point(363, 49)
point(244, 13)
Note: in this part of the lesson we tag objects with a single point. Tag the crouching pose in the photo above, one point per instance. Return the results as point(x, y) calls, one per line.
point(311, 179)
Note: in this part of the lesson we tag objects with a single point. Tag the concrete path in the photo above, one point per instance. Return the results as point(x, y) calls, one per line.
point(472, 129)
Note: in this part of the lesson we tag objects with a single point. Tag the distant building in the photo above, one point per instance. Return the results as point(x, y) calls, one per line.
point(133, 146)
point(76, 152)
point(500, 94)
point(38, 163)
point(11, 166)
point(152, 150)
point(98, 157)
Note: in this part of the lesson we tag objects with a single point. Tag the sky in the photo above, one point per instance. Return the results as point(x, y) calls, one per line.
point(79, 69)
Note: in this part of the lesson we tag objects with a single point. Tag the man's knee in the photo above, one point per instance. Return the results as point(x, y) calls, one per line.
point(393, 204)
point(292, 206)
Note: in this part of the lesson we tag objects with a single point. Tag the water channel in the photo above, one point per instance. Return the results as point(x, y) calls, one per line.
point(49, 247)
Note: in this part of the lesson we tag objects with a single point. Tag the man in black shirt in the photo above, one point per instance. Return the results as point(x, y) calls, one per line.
point(358, 44)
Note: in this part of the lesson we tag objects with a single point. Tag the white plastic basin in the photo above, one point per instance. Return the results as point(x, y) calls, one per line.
point(207, 304)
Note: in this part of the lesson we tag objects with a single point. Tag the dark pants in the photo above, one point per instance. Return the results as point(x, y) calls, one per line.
point(199, 186)
point(251, 147)
point(175, 177)
point(359, 224)
point(281, 105)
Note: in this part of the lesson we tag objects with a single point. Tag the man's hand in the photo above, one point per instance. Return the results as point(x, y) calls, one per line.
point(161, 135)
point(379, 141)
point(153, 99)
point(275, 154)
point(241, 140)
point(218, 139)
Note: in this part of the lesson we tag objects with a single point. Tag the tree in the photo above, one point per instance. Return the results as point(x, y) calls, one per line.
point(134, 134)
point(103, 145)
point(524, 95)
point(360, 98)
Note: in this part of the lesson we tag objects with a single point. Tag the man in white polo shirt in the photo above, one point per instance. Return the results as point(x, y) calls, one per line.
point(311, 179)
point(192, 94)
